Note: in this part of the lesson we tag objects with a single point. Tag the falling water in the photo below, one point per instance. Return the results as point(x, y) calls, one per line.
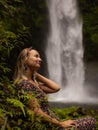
point(64, 50)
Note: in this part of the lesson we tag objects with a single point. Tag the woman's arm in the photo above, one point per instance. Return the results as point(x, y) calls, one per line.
point(45, 117)
point(47, 85)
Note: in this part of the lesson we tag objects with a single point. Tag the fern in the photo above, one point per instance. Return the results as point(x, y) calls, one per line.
point(31, 114)
point(17, 103)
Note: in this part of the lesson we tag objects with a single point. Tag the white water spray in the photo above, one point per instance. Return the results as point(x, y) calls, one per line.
point(64, 50)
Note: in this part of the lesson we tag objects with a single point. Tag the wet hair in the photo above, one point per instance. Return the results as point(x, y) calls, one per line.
point(21, 64)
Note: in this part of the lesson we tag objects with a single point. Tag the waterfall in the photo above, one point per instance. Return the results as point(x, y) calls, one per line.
point(64, 50)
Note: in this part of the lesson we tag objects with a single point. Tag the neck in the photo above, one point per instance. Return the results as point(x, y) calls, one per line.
point(29, 74)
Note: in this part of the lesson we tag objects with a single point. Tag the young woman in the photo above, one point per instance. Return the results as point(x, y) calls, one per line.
point(27, 78)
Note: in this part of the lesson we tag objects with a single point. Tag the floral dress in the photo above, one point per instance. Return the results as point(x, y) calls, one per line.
point(81, 124)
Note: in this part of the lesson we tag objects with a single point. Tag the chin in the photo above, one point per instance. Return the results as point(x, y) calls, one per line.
point(38, 67)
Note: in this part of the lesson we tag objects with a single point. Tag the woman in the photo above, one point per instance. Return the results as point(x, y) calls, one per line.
point(27, 78)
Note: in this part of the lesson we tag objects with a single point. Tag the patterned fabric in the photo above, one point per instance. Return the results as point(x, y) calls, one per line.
point(39, 94)
point(81, 124)
point(88, 123)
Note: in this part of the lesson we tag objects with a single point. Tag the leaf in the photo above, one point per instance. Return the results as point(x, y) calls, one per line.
point(17, 103)
point(31, 114)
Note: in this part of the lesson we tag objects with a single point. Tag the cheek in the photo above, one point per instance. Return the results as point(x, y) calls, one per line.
point(30, 62)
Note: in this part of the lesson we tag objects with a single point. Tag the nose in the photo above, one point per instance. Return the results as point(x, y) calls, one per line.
point(40, 59)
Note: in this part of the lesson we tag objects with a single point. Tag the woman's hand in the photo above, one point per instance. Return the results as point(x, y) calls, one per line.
point(46, 84)
point(67, 123)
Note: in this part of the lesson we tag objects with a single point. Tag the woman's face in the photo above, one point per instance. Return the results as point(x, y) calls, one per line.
point(34, 60)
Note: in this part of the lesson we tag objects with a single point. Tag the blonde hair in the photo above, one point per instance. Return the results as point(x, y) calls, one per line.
point(21, 65)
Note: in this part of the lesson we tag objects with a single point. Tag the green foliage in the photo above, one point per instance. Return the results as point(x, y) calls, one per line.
point(90, 28)
point(12, 33)
point(20, 26)
point(16, 103)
